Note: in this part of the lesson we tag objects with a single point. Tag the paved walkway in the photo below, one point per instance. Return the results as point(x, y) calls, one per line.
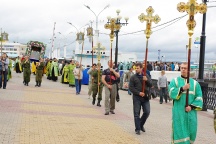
point(53, 114)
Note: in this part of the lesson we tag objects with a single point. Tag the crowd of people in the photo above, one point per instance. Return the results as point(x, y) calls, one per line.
point(155, 66)
point(184, 120)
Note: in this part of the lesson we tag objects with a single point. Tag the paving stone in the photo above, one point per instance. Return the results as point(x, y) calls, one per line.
point(54, 114)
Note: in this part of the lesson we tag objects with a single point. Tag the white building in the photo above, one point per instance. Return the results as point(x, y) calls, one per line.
point(126, 57)
point(105, 57)
point(12, 49)
point(87, 58)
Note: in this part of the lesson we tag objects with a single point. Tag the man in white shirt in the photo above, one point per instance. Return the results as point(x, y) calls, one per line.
point(78, 77)
point(176, 67)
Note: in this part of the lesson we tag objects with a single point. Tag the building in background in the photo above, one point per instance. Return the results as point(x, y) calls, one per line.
point(11, 48)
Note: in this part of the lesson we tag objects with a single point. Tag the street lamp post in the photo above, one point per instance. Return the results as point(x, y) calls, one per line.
point(119, 23)
point(163, 59)
point(52, 48)
point(79, 39)
point(96, 15)
point(202, 47)
point(65, 41)
point(159, 55)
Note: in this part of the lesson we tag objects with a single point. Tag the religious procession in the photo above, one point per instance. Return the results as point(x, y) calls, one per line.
point(98, 85)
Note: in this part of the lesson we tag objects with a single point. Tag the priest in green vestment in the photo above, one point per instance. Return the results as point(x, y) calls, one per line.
point(54, 71)
point(65, 71)
point(184, 119)
point(71, 77)
point(9, 76)
point(18, 67)
point(48, 69)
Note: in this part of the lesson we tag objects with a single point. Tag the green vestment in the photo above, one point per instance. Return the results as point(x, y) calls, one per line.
point(71, 77)
point(184, 124)
point(65, 74)
point(54, 69)
point(48, 67)
point(9, 76)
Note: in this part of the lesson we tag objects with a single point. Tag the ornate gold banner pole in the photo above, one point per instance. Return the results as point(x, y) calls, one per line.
point(99, 48)
point(112, 26)
point(149, 18)
point(90, 35)
point(80, 39)
point(192, 7)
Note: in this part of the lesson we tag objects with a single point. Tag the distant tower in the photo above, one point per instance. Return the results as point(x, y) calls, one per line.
point(158, 55)
point(5, 36)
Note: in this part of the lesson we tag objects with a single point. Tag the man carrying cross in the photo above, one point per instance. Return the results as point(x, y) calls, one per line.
point(185, 91)
point(140, 98)
point(184, 119)
point(97, 85)
point(109, 79)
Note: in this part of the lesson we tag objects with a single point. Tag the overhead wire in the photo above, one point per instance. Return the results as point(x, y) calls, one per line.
point(175, 20)
point(170, 24)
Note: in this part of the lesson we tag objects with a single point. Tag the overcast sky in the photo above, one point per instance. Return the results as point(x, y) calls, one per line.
point(27, 20)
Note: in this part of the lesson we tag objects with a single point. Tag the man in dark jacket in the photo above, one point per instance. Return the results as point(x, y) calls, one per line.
point(149, 66)
point(140, 98)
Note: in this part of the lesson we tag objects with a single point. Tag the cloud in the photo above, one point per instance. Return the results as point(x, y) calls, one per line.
point(27, 20)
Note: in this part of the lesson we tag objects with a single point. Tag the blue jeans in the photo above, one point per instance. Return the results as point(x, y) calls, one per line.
point(4, 74)
point(163, 95)
point(139, 102)
point(78, 85)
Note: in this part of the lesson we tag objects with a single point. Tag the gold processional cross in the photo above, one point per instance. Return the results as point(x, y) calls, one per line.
point(149, 18)
point(99, 48)
point(192, 8)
